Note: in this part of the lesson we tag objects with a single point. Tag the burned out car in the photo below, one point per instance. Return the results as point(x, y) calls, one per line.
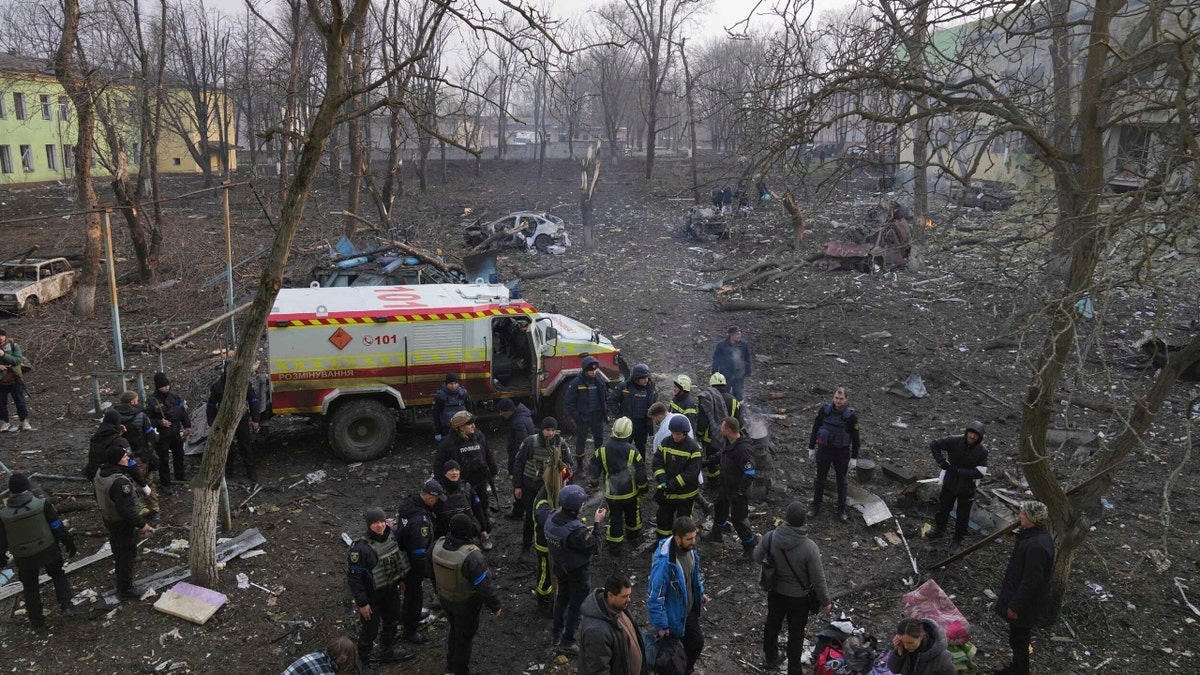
point(882, 240)
point(528, 230)
point(27, 283)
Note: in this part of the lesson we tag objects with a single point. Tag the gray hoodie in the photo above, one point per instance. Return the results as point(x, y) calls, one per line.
point(787, 544)
point(931, 659)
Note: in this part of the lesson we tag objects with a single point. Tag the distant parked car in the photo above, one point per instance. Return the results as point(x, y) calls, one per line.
point(541, 231)
point(26, 284)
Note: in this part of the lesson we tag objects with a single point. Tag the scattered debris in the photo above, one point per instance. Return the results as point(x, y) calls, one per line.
point(882, 245)
point(912, 387)
point(528, 230)
point(706, 223)
point(192, 603)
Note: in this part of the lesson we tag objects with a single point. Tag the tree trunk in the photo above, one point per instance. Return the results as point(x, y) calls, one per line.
point(651, 121)
point(79, 89)
point(202, 558)
point(588, 174)
point(691, 106)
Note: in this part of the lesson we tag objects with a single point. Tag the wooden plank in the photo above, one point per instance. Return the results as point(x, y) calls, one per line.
point(248, 540)
point(192, 603)
point(15, 587)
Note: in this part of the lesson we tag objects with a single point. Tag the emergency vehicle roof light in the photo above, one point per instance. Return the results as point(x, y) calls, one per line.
point(515, 294)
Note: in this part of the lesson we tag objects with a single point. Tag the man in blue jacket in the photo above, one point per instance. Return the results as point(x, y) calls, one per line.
point(731, 358)
point(675, 593)
point(586, 399)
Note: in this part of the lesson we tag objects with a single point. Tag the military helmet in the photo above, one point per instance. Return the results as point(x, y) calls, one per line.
point(679, 424)
point(623, 428)
point(572, 498)
point(640, 370)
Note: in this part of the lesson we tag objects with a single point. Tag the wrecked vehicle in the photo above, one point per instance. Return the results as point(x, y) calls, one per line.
point(984, 198)
point(30, 282)
point(707, 223)
point(883, 244)
point(362, 358)
point(528, 230)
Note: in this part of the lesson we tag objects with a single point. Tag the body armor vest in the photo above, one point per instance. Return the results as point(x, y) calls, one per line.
point(108, 508)
point(28, 531)
point(391, 564)
point(452, 584)
point(536, 463)
point(564, 557)
point(833, 427)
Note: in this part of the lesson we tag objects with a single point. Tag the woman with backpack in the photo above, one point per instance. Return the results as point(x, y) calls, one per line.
point(795, 584)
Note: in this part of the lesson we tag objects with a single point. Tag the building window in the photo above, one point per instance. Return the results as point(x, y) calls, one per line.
point(52, 156)
point(176, 161)
point(69, 157)
point(47, 111)
point(3, 107)
point(64, 108)
point(19, 105)
point(27, 158)
point(5, 159)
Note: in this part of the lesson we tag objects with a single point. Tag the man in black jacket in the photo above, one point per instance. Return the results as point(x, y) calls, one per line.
point(450, 400)
point(469, 447)
point(572, 546)
point(963, 460)
point(586, 403)
point(1024, 598)
point(415, 519)
point(836, 442)
point(520, 426)
point(736, 478)
point(120, 513)
point(171, 419)
point(32, 530)
point(464, 585)
point(247, 425)
point(633, 399)
point(537, 452)
point(609, 640)
point(624, 472)
point(376, 570)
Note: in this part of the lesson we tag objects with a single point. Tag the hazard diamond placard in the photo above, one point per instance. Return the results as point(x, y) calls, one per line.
point(340, 338)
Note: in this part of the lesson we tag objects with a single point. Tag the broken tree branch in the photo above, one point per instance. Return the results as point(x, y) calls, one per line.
point(427, 258)
point(207, 324)
point(962, 380)
point(540, 274)
point(497, 236)
point(1098, 406)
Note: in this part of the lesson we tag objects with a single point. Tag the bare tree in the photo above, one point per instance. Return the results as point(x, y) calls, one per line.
point(655, 27)
point(610, 67)
point(72, 71)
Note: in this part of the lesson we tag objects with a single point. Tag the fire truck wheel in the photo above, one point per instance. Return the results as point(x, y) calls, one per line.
point(362, 430)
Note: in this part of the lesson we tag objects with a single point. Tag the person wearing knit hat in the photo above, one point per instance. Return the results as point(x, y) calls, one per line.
point(537, 451)
point(1024, 598)
point(31, 529)
point(121, 513)
point(170, 417)
point(464, 585)
point(468, 446)
point(519, 421)
point(459, 496)
point(375, 569)
point(797, 588)
point(415, 533)
point(586, 402)
point(451, 399)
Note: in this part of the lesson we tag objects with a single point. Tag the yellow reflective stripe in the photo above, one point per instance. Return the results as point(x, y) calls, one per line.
point(422, 357)
point(689, 495)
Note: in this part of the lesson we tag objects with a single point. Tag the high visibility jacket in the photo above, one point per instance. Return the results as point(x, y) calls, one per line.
point(677, 467)
point(622, 467)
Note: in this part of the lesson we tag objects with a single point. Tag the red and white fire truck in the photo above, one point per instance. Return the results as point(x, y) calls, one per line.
point(362, 357)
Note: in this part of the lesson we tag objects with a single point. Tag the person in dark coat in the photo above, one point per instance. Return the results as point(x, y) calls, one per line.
point(537, 452)
point(919, 648)
point(450, 400)
point(731, 358)
point(733, 487)
point(415, 527)
point(609, 641)
point(247, 426)
point(520, 427)
point(460, 497)
point(963, 460)
point(375, 571)
point(799, 586)
point(586, 403)
point(31, 529)
point(682, 401)
point(572, 546)
point(468, 446)
point(171, 419)
point(464, 585)
point(623, 470)
point(1024, 598)
point(633, 399)
point(109, 433)
point(836, 440)
point(121, 515)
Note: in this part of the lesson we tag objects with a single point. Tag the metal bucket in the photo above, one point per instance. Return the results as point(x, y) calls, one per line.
point(865, 470)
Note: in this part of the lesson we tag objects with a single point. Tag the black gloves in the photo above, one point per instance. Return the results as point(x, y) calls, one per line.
point(946, 465)
point(71, 548)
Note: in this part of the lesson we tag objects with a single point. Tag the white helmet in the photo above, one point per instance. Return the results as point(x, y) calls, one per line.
point(623, 428)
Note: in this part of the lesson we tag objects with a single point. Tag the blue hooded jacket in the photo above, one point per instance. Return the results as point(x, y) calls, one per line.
point(665, 600)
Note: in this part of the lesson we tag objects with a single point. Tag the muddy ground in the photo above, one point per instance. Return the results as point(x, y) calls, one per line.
point(639, 286)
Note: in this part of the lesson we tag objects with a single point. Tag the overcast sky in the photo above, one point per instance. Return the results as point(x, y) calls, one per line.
point(724, 13)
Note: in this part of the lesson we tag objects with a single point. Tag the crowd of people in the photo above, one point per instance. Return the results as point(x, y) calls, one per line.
point(688, 451)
